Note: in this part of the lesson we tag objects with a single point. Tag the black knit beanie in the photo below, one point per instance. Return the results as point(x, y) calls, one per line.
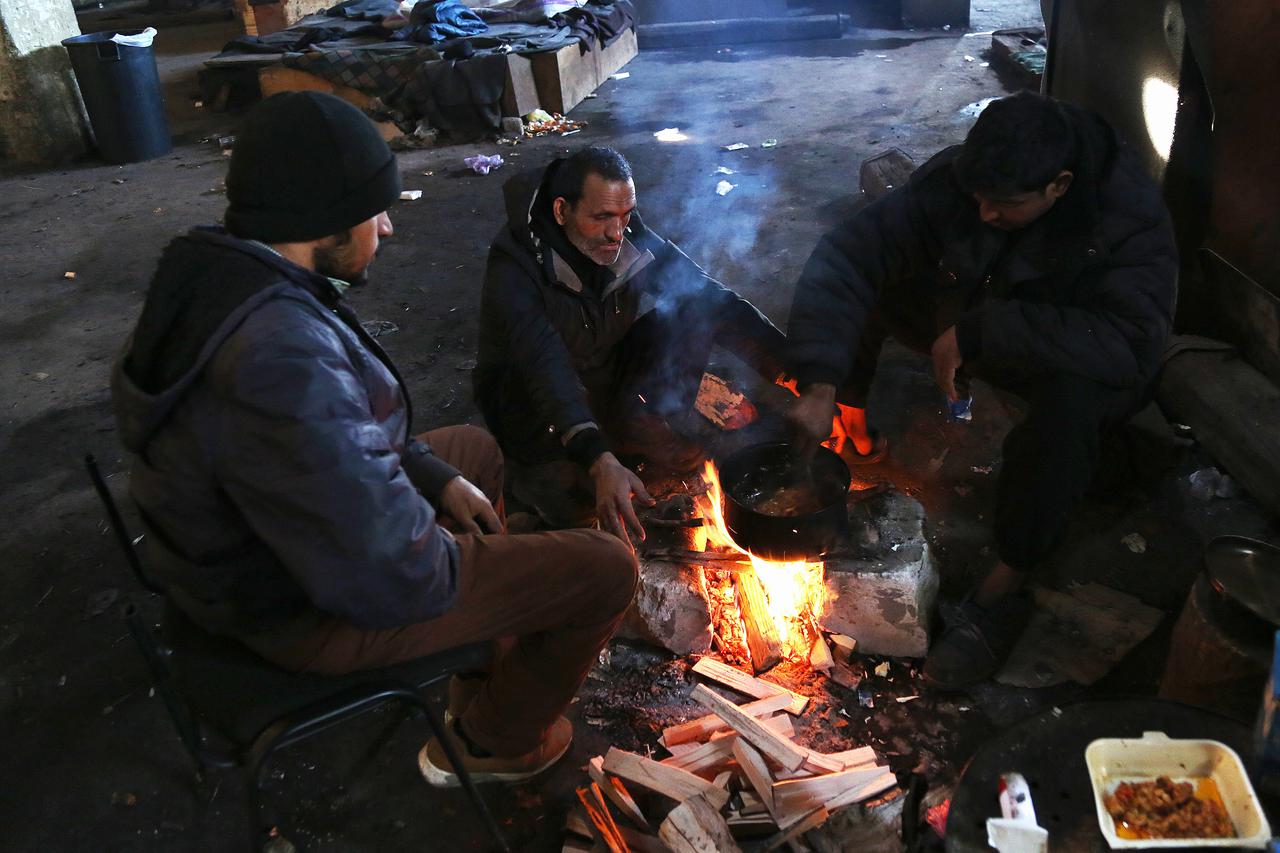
point(307, 165)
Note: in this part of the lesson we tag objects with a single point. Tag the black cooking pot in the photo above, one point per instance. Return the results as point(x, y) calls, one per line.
point(757, 472)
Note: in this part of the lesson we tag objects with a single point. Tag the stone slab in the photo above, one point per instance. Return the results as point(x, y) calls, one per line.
point(669, 610)
point(881, 591)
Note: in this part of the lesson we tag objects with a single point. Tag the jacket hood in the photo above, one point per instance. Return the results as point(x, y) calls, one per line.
point(205, 285)
point(520, 192)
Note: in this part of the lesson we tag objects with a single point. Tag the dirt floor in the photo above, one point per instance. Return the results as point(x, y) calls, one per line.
point(90, 760)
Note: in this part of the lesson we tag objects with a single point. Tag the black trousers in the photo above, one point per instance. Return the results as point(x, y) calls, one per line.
point(1050, 457)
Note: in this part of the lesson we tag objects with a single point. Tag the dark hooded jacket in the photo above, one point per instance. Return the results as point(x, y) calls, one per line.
point(552, 322)
point(1088, 289)
point(273, 466)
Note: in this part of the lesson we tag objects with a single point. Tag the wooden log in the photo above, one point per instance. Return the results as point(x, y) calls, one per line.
point(844, 647)
point(703, 727)
point(763, 639)
point(738, 680)
point(640, 842)
point(843, 674)
point(778, 749)
point(610, 59)
point(592, 800)
point(855, 757)
point(874, 788)
point(722, 779)
point(820, 655)
point(616, 791)
point(751, 802)
point(808, 794)
point(564, 77)
point(520, 97)
point(751, 826)
point(695, 826)
point(720, 750)
point(813, 820)
point(669, 781)
point(819, 763)
point(683, 748)
point(757, 772)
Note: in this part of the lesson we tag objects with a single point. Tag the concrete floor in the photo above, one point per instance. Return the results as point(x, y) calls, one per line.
point(90, 760)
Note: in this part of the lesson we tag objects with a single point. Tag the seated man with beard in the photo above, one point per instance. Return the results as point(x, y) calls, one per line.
point(594, 335)
point(286, 502)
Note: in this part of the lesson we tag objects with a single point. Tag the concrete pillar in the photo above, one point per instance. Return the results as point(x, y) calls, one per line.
point(42, 120)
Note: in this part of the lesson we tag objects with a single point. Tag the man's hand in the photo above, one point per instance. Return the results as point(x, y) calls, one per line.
point(946, 361)
point(810, 418)
point(615, 485)
point(467, 505)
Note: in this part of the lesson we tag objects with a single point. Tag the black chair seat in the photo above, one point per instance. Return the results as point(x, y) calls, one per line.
point(216, 685)
point(237, 694)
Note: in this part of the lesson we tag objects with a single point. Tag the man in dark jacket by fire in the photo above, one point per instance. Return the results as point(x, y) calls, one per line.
point(287, 505)
point(594, 335)
point(1039, 256)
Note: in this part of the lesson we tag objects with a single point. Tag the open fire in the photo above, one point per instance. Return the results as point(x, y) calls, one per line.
point(793, 591)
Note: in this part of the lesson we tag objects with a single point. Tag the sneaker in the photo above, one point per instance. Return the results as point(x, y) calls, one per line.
point(462, 689)
point(977, 641)
point(439, 773)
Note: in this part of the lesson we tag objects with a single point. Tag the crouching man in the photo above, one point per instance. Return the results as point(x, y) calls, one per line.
point(1038, 256)
point(287, 505)
point(594, 335)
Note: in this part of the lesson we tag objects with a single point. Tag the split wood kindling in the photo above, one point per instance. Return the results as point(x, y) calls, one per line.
point(735, 773)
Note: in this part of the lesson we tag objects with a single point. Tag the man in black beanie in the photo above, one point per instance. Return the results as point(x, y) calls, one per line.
point(286, 503)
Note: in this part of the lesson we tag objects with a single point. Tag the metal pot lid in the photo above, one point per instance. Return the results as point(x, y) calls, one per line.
point(1247, 571)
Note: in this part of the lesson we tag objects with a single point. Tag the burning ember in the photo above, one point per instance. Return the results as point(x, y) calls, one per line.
point(793, 591)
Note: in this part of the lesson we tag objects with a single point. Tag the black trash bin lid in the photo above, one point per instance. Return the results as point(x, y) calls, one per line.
point(1248, 572)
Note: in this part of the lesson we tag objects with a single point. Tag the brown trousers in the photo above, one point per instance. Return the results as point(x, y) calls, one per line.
point(559, 594)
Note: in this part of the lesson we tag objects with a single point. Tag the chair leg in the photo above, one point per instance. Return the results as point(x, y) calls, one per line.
point(437, 727)
point(266, 747)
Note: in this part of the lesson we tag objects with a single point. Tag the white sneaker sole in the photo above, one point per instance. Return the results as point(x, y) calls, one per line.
point(438, 777)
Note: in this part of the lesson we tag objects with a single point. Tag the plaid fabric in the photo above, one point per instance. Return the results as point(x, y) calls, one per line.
point(374, 72)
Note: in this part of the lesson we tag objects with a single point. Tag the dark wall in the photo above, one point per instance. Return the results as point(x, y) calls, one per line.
point(1190, 83)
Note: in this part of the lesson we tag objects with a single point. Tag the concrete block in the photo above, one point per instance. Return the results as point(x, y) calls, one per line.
point(669, 609)
point(42, 120)
point(881, 591)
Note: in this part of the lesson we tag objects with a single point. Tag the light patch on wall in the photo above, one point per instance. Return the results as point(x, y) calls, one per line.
point(1160, 109)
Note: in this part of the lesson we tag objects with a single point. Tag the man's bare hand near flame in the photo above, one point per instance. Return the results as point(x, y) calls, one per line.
point(810, 418)
point(615, 485)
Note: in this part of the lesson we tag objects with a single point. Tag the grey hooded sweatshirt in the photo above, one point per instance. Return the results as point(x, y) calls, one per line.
point(273, 466)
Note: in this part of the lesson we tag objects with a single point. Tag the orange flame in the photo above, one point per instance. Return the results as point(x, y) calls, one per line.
point(795, 590)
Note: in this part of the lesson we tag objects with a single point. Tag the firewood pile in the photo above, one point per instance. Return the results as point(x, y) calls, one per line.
point(739, 780)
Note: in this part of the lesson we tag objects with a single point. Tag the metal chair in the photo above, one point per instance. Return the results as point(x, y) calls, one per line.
point(216, 689)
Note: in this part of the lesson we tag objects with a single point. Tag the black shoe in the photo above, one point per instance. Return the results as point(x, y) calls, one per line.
point(977, 641)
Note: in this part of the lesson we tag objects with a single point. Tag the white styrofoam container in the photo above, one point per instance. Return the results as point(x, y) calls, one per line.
point(1115, 760)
